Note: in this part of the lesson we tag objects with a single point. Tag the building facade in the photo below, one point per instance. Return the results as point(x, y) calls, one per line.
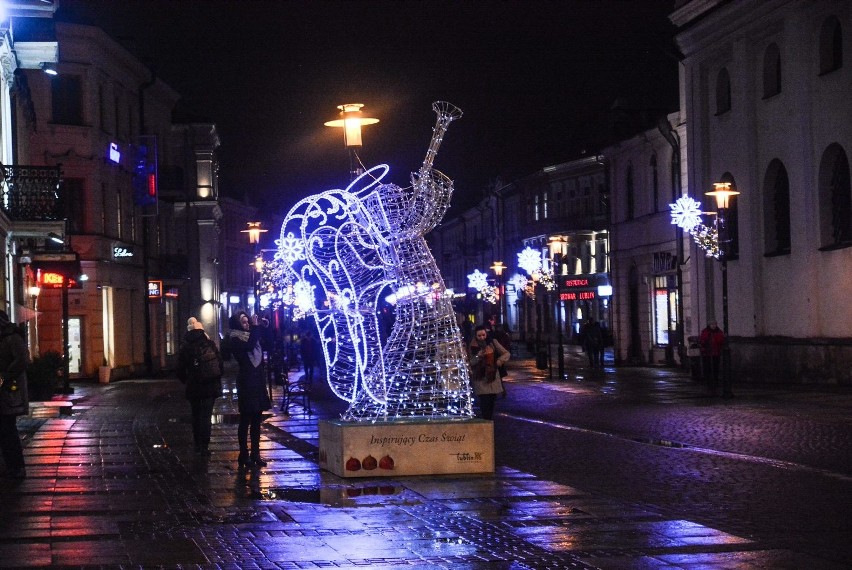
point(764, 96)
point(650, 256)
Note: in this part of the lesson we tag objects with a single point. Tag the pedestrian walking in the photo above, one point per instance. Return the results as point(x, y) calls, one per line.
point(712, 340)
point(486, 356)
point(307, 348)
point(592, 336)
point(200, 368)
point(252, 396)
point(14, 399)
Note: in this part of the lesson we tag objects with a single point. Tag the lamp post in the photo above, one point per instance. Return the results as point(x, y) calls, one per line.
point(351, 119)
point(498, 269)
point(254, 230)
point(722, 193)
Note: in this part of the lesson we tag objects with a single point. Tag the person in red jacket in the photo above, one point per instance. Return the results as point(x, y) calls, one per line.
point(712, 340)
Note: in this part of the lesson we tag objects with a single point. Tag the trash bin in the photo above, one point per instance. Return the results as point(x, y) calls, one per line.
point(541, 358)
point(694, 353)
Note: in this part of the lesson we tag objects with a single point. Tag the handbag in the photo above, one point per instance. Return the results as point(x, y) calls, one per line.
point(12, 398)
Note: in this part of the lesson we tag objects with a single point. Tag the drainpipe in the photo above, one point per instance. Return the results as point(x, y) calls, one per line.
point(149, 365)
point(665, 128)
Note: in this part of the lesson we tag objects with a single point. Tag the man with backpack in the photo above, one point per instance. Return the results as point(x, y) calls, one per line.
point(200, 368)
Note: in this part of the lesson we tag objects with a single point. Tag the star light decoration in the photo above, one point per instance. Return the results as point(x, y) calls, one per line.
point(686, 213)
point(357, 243)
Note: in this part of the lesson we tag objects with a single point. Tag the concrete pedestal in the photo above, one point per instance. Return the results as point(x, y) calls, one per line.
point(415, 447)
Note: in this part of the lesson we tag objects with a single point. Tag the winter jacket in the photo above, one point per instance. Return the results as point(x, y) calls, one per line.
point(252, 395)
point(482, 361)
point(14, 359)
point(712, 341)
point(197, 388)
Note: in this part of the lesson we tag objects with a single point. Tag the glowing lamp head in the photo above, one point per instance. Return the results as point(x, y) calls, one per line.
point(498, 268)
point(253, 232)
point(351, 119)
point(722, 193)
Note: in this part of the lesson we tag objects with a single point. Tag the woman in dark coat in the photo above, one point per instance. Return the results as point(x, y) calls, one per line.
point(14, 400)
point(203, 379)
point(252, 397)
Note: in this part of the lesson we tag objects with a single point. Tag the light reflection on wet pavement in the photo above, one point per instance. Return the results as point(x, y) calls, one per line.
point(117, 484)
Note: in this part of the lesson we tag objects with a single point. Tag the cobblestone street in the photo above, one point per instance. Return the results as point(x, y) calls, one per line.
point(626, 468)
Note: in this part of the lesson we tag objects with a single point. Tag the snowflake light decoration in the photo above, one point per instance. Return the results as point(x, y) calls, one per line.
point(490, 294)
point(290, 248)
point(686, 213)
point(530, 260)
point(477, 280)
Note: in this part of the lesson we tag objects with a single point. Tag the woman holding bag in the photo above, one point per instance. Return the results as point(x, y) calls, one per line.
point(485, 358)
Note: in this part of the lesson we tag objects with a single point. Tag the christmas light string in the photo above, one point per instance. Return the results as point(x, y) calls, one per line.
point(357, 243)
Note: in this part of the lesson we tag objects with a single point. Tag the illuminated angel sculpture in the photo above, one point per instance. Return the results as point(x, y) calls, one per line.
point(358, 242)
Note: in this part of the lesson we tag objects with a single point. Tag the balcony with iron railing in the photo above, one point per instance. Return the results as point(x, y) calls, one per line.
point(31, 193)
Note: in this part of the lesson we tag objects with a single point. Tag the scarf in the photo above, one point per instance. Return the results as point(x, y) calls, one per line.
point(255, 355)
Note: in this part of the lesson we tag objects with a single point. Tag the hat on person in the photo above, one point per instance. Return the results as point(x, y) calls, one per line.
point(193, 324)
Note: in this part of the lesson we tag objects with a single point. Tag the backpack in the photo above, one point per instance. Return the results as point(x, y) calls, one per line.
point(205, 360)
point(225, 348)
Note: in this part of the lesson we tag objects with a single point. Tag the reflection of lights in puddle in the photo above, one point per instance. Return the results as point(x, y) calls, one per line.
point(334, 496)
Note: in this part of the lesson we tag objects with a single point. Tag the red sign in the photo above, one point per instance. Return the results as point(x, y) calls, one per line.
point(580, 295)
point(51, 280)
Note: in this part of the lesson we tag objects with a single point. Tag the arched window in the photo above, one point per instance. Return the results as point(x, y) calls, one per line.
point(732, 217)
point(655, 183)
point(723, 92)
point(776, 210)
point(835, 196)
point(771, 71)
point(830, 46)
point(631, 197)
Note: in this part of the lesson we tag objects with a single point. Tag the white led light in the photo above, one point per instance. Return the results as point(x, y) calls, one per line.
point(355, 243)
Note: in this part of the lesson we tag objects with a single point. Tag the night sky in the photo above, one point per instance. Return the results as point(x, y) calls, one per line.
point(534, 79)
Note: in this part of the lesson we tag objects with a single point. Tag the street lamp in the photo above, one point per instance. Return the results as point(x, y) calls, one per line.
point(351, 119)
point(722, 193)
point(498, 268)
point(254, 230)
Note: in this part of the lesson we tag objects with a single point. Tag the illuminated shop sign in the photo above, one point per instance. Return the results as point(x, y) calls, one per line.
point(155, 289)
point(171, 292)
point(114, 154)
point(52, 280)
point(121, 252)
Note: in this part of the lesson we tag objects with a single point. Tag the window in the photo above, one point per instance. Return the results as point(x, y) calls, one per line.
point(655, 183)
point(835, 197)
point(723, 92)
point(67, 99)
point(771, 71)
point(631, 198)
point(73, 200)
point(776, 210)
point(830, 46)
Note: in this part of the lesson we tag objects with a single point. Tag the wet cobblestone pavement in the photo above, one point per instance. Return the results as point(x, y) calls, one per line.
point(627, 468)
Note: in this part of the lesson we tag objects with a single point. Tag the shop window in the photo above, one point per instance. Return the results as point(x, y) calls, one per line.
point(67, 99)
point(665, 309)
point(776, 210)
point(771, 71)
point(835, 197)
point(830, 46)
point(723, 92)
point(171, 335)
